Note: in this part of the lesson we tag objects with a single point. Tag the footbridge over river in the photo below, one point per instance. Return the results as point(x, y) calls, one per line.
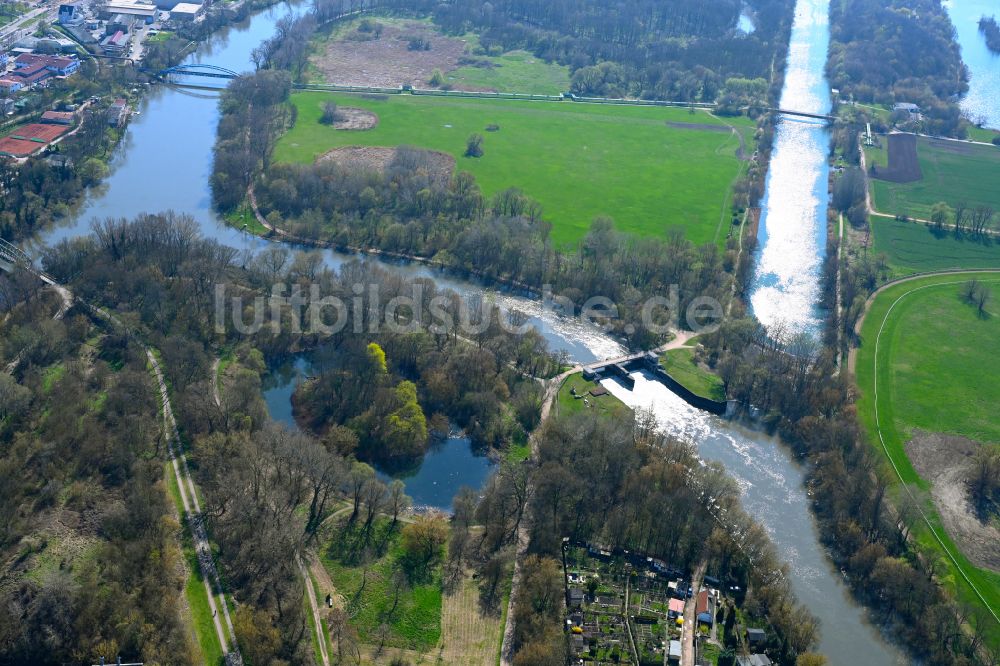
point(12, 256)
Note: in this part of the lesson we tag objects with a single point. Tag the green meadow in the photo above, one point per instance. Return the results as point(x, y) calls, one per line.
point(578, 160)
point(916, 248)
point(362, 569)
point(936, 356)
point(514, 71)
point(952, 172)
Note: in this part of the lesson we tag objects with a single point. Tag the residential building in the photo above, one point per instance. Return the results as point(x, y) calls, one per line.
point(753, 660)
point(117, 113)
point(10, 85)
point(57, 65)
point(71, 13)
point(756, 637)
point(185, 11)
point(116, 44)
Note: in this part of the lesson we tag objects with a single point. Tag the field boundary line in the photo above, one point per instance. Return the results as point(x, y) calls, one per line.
point(885, 448)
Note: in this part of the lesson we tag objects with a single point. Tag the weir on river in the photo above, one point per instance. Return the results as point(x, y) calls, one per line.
point(164, 163)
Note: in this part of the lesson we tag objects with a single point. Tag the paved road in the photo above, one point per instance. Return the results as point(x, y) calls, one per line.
point(690, 627)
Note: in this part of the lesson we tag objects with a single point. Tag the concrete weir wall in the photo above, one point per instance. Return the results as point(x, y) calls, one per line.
point(650, 362)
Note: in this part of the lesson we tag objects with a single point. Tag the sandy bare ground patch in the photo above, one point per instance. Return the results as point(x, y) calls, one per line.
point(943, 460)
point(350, 118)
point(387, 61)
point(439, 165)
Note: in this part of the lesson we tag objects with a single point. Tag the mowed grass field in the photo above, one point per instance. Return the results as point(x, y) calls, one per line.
point(915, 248)
point(936, 362)
point(578, 160)
point(952, 172)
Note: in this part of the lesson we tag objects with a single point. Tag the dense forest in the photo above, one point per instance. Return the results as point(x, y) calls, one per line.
point(89, 540)
point(681, 50)
point(890, 51)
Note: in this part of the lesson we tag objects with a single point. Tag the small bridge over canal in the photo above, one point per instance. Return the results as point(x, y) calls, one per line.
point(804, 114)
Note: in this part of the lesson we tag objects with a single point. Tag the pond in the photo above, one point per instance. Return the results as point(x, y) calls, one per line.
point(431, 483)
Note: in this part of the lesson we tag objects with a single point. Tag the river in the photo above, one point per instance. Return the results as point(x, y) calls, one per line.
point(164, 163)
point(982, 102)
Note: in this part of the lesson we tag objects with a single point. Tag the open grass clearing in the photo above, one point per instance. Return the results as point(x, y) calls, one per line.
point(581, 402)
point(347, 55)
point(953, 171)
point(514, 71)
point(917, 248)
point(934, 352)
point(351, 53)
point(362, 568)
point(578, 160)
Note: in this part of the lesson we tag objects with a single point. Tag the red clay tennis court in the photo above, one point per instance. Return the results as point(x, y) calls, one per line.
point(23, 141)
point(38, 132)
point(18, 147)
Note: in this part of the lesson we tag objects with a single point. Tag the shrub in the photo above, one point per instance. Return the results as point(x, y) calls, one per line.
point(474, 146)
point(331, 113)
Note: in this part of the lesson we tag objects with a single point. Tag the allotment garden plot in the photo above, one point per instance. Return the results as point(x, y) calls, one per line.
point(649, 168)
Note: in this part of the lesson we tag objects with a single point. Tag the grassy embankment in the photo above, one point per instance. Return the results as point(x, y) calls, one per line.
point(933, 355)
point(682, 366)
point(194, 587)
point(578, 160)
